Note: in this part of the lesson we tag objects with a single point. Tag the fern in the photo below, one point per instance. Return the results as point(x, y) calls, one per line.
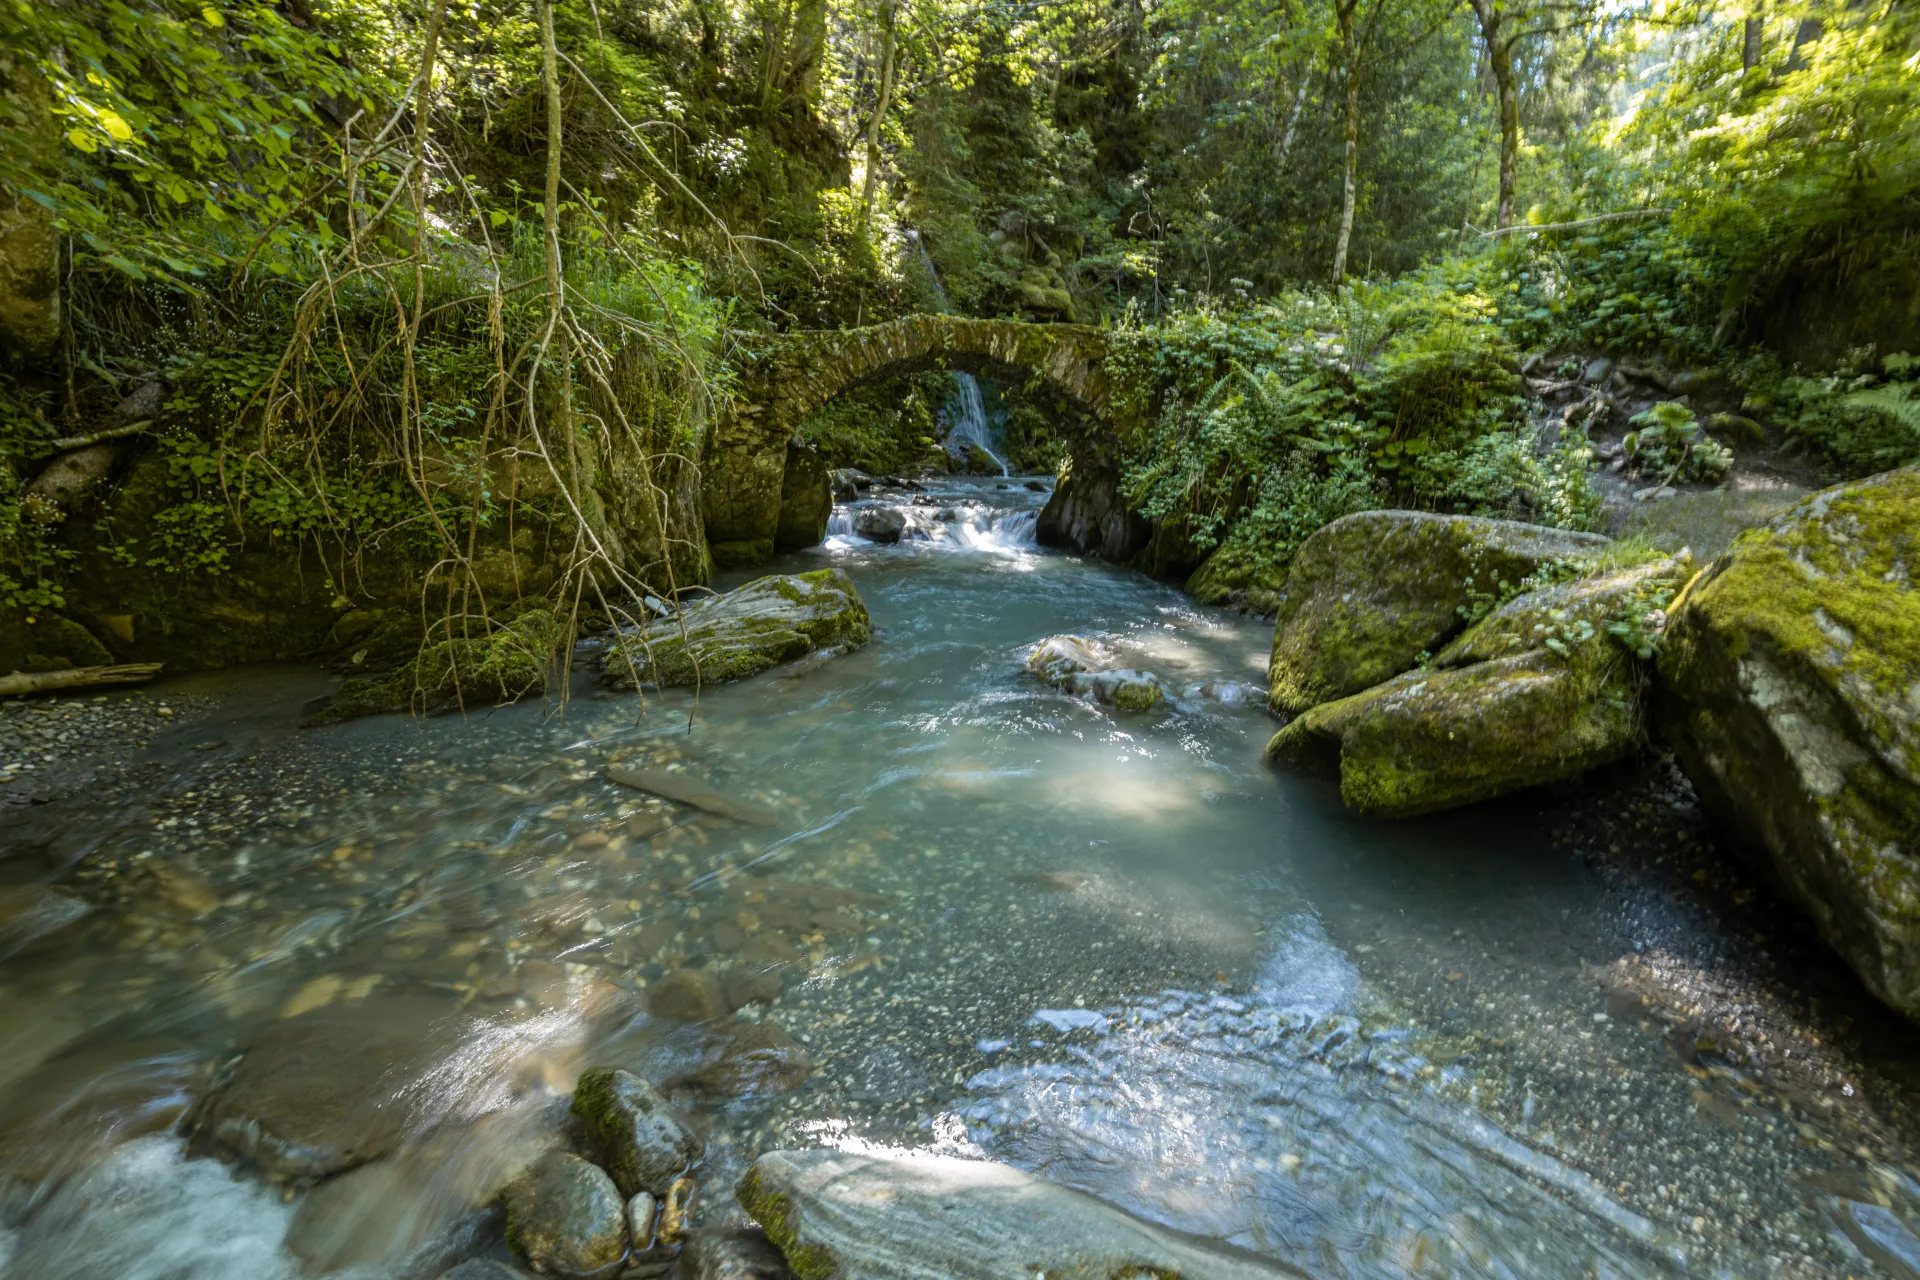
point(1896, 400)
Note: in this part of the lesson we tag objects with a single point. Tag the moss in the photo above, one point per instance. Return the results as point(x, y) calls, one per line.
point(1370, 592)
point(1430, 740)
point(1793, 700)
point(49, 642)
point(774, 1212)
point(741, 553)
point(769, 621)
point(1252, 578)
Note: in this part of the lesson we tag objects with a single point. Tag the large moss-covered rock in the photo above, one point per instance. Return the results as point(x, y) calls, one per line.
point(1370, 592)
point(1792, 698)
point(1535, 692)
point(771, 620)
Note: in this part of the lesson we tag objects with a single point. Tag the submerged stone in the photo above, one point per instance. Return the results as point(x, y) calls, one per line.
point(320, 1093)
point(645, 1146)
point(769, 621)
point(1369, 593)
point(853, 1216)
point(566, 1217)
point(1792, 698)
point(1089, 668)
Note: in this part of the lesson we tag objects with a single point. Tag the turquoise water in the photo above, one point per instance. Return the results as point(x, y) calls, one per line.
point(1110, 947)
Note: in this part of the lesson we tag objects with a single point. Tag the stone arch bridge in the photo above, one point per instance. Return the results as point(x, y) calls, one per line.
point(757, 492)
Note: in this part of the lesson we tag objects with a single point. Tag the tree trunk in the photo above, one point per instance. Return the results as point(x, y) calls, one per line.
point(29, 244)
point(1285, 148)
point(879, 114)
point(1349, 172)
point(1750, 44)
point(1507, 92)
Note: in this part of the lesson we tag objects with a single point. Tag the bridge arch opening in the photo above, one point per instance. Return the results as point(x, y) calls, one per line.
point(758, 490)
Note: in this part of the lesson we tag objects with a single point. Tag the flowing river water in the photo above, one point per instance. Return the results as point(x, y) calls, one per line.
point(1109, 947)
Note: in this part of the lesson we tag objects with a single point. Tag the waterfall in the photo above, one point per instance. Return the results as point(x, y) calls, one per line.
point(966, 410)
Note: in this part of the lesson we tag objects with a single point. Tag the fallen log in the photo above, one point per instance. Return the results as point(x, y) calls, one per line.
point(24, 682)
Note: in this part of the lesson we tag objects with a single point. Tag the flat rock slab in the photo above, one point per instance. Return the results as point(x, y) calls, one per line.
point(853, 1216)
point(322, 1093)
point(685, 788)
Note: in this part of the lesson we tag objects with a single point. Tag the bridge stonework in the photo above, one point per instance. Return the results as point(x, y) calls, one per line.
point(785, 378)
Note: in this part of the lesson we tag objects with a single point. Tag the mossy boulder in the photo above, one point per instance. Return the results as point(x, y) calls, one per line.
point(643, 1144)
point(47, 642)
point(1370, 592)
point(1791, 694)
point(769, 621)
point(566, 1216)
point(1238, 574)
point(494, 662)
point(1536, 692)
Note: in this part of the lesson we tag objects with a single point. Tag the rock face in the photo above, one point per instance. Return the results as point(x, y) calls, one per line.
point(863, 1217)
point(646, 1148)
point(1086, 513)
point(1083, 667)
point(1792, 697)
point(1535, 692)
point(1370, 592)
point(566, 1217)
point(769, 621)
point(806, 500)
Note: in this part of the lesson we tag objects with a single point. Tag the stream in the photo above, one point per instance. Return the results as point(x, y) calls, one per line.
point(991, 919)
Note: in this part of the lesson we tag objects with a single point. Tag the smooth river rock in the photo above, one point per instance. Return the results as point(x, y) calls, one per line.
point(769, 621)
point(1792, 698)
point(321, 1093)
point(566, 1217)
point(1370, 592)
point(644, 1145)
point(1536, 692)
point(854, 1216)
point(1088, 667)
point(719, 1254)
point(881, 524)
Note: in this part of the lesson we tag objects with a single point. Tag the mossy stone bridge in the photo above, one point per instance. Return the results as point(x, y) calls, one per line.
point(758, 491)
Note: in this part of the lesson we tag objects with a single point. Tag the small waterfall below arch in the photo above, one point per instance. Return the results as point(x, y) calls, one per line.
point(966, 409)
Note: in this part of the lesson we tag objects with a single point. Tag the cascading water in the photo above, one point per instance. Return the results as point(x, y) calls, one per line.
point(970, 430)
point(966, 410)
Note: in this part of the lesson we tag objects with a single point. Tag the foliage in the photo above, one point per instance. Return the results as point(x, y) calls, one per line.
point(1669, 443)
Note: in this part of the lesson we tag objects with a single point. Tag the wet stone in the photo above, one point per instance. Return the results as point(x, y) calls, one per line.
point(567, 1217)
point(865, 1217)
point(751, 986)
point(687, 995)
point(881, 524)
point(732, 1255)
point(645, 1146)
point(317, 1094)
point(484, 1269)
point(760, 1060)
